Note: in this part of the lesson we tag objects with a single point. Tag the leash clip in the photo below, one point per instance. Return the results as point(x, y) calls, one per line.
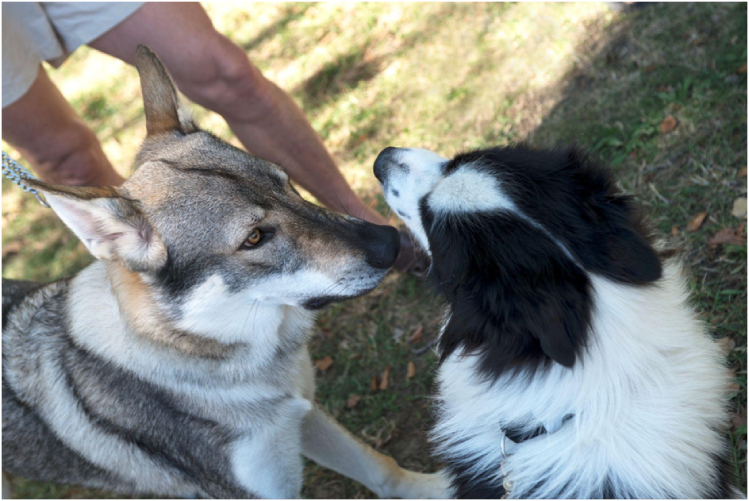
point(506, 481)
point(16, 174)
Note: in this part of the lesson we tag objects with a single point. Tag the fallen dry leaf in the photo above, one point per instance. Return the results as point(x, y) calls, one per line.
point(739, 419)
point(739, 208)
point(417, 333)
point(675, 231)
point(410, 370)
point(11, 248)
point(374, 383)
point(668, 124)
point(352, 401)
point(728, 236)
point(384, 379)
point(324, 363)
point(741, 69)
point(650, 68)
point(382, 435)
point(742, 172)
point(696, 222)
point(727, 344)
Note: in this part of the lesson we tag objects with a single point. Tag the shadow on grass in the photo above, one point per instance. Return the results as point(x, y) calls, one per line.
point(682, 61)
point(290, 14)
point(615, 102)
point(364, 63)
point(341, 75)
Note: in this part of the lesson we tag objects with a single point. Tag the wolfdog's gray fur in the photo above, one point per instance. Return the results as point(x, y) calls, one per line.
point(177, 364)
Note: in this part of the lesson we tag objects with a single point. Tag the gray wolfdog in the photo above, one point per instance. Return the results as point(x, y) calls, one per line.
point(177, 363)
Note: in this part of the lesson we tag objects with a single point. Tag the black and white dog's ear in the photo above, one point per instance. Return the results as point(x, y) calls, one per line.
point(108, 223)
point(631, 257)
point(620, 249)
point(561, 320)
point(524, 299)
point(617, 245)
point(553, 326)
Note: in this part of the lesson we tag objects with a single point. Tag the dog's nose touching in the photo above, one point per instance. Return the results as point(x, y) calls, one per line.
point(382, 163)
point(382, 247)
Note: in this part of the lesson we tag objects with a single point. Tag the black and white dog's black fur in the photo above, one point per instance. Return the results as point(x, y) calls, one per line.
point(565, 331)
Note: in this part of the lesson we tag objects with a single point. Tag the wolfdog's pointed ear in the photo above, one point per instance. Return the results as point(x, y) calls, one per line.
point(108, 223)
point(160, 99)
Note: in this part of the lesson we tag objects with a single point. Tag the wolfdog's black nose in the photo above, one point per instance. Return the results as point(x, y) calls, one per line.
point(381, 163)
point(382, 245)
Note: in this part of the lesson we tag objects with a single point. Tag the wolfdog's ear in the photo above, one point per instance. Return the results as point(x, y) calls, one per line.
point(160, 99)
point(108, 223)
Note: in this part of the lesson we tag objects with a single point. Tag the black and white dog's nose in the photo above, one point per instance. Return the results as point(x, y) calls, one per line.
point(382, 163)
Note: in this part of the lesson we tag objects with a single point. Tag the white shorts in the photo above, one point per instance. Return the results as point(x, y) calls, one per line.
point(50, 31)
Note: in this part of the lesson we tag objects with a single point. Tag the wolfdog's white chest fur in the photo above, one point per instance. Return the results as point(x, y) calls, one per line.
point(262, 402)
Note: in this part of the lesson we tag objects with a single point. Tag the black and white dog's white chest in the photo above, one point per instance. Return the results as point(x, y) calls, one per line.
point(639, 415)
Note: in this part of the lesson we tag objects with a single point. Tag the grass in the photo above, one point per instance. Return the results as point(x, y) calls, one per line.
point(450, 77)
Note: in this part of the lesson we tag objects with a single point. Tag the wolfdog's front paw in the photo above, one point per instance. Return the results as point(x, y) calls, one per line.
point(414, 485)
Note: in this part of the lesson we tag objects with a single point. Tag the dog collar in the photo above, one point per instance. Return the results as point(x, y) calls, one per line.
point(512, 438)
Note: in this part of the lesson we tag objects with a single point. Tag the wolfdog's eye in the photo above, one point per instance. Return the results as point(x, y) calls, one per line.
point(253, 239)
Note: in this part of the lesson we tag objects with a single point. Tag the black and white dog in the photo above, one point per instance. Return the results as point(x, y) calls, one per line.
point(571, 362)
